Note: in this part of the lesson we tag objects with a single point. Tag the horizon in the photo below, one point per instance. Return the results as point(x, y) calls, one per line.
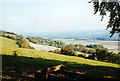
point(108, 31)
point(90, 34)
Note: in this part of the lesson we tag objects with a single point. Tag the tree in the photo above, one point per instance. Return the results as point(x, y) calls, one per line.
point(68, 51)
point(22, 42)
point(102, 54)
point(106, 6)
point(92, 51)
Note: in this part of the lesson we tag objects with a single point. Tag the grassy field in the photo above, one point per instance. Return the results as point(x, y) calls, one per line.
point(7, 45)
point(29, 60)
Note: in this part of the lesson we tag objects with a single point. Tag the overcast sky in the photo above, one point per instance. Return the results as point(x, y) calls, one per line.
point(49, 16)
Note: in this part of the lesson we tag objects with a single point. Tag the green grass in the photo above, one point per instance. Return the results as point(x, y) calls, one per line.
point(29, 60)
point(7, 45)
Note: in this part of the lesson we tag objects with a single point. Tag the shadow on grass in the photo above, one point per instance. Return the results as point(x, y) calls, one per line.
point(21, 67)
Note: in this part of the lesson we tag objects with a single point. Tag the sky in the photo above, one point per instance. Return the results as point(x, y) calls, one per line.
point(49, 16)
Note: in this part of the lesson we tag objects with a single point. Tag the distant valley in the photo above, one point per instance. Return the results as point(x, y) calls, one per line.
point(76, 35)
point(110, 45)
point(82, 37)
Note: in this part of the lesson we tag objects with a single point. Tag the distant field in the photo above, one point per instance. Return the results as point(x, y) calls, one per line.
point(40, 59)
point(110, 45)
point(43, 47)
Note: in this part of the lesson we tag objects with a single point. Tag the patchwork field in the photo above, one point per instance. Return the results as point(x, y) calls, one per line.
point(29, 60)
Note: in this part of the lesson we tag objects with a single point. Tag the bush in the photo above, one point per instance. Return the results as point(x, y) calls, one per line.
point(102, 54)
point(23, 43)
point(15, 53)
point(51, 51)
point(114, 58)
point(68, 51)
point(95, 46)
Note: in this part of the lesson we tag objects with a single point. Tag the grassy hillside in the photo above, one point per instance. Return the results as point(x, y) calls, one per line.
point(29, 60)
point(21, 40)
point(7, 45)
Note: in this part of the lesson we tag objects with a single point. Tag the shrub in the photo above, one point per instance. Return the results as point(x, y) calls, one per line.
point(102, 54)
point(15, 53)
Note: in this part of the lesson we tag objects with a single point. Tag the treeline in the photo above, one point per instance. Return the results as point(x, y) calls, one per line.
point(95, 46)
point(108, 39)
point(65, 51)
point(105, 55)
point(6, 32)
point(38, 40)
point(90, 49)
point(98, 38)
point(100, 55)
point(21, 41)
point(95, 52)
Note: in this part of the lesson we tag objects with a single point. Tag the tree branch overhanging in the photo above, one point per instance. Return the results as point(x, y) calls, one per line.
point(106, 6)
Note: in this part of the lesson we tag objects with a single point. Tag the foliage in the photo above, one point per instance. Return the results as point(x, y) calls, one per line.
point(38, 40)
point(81, 48)
point(21, 41)
point(105, 55)
point(15, 53)
point(6, 32)
point(113, 58)
point(97, 51)
point(56, 51)
point(68, 51)
point(9, 36)
point(95, 46)
point(91, 51)
point(114, 9)
point(65, 51)
point(108, 39)
point(102, 54)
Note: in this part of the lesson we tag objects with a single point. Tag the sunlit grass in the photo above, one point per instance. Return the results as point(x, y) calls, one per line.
point(9, 45)
point(29, 60)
